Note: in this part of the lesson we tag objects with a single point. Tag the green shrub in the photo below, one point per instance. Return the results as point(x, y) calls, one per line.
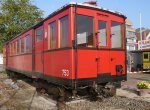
point(143, 85)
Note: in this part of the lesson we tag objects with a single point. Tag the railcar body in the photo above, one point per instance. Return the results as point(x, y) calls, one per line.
point(76, 46)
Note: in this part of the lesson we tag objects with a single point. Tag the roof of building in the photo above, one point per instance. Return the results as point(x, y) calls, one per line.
point(143, 30)
point(148, 36)
point(129, 22)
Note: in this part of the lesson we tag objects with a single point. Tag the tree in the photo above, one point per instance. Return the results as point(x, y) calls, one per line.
point(16, 16)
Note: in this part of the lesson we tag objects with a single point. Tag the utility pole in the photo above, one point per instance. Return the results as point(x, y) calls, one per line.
point(141, 29)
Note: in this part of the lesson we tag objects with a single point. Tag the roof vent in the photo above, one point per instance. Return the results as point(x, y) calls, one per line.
point(92, 2)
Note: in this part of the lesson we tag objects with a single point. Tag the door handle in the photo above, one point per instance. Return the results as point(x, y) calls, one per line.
point(112, 59)
point(97, 59)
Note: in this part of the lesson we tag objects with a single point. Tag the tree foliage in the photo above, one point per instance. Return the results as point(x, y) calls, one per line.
point(16, 16)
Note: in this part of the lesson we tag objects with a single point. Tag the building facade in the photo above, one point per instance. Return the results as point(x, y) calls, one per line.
point(145, 34)
point(131, 36)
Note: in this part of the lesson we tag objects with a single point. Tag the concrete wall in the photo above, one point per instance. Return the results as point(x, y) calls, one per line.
point(1, 62)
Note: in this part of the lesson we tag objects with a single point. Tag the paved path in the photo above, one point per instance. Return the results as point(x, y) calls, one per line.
point(133, 78)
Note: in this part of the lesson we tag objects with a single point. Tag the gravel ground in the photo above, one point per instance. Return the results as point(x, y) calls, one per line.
point(22, 96)
point(113, 103)
point(1, 68)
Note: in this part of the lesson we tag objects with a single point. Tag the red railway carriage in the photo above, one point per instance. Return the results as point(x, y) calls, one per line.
point(75, 46)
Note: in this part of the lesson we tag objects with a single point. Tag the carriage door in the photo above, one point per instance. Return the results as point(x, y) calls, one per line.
point(39, 47)
point(117, 54)
point(103, 45)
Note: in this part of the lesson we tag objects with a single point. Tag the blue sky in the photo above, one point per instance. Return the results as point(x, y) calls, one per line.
point(130, 8)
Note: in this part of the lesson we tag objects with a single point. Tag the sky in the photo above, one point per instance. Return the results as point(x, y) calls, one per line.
point(130, 8)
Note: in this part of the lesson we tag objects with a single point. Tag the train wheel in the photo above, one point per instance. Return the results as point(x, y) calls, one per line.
point(109, 91)
point(93, 94)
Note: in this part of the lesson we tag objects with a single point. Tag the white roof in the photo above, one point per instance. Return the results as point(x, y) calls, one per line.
point(86, 5)
point(96, 7)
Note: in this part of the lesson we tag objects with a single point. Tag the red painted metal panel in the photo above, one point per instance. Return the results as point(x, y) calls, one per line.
point(103, 62)
point(38, 62)
point(87, 64)
point(56, 63)
point(117, 58)
point(21, 62)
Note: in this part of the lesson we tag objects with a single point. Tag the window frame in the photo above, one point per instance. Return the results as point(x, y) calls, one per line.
point(15, 48)
point(87, 45)
point(50, 35)
point(107, 23)
point(60, 32)
point(22, 51)
point(18, 46)
point(41, 35)
point(122, 33)
point(27, 36)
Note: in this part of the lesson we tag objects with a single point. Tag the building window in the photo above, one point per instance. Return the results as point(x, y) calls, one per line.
point(53, 35)
point(84, 25)
point(27, 44)
point(131, 47)
point(22, 45)
point(146, 56)
point(64, 32)
point(102, 36)
point(39, 34)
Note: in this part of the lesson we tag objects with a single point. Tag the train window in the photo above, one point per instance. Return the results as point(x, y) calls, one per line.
point(18, 50)
point(116, 35)
point(27, 43)
point(22, 45)
point(53, 35)
point(102, 37)
point(84, 26)
point(64, 31)
point(12, 48)
point(15, 48)
point(145, 56)
point(39, 34)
